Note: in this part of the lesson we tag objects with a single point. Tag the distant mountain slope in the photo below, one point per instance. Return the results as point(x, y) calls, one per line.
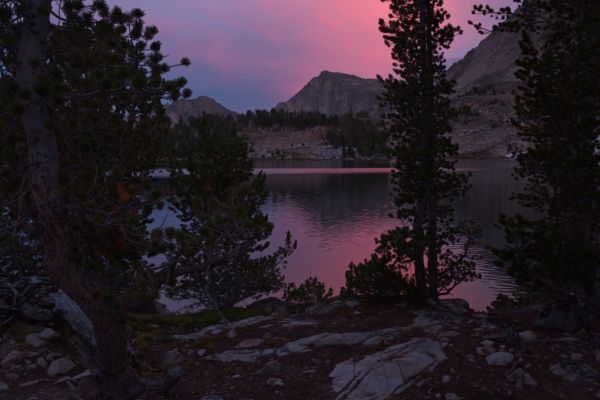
point(185, 109)
point(335, 93)
point(492, 62)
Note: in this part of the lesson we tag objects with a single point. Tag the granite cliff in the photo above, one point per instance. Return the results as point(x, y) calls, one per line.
point(184, 109)
point(335, 93)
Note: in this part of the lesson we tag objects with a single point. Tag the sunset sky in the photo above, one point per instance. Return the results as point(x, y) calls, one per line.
point(251, 54)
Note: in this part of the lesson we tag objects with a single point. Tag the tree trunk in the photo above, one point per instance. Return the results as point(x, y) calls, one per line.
point(429, 150)
point(420, 278)
point(108, 355)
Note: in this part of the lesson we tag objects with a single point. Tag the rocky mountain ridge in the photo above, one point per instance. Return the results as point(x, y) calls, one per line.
point(336, 93)
point(485, 83)
point(185, 109)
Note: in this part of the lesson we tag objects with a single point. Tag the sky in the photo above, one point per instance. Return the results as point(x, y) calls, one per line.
point(250, 54)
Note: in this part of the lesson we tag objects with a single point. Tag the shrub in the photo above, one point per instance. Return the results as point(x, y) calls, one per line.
point(310, 291)
point(377, 279)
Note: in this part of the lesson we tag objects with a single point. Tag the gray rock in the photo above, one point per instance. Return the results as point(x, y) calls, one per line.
point(576, 356)
point(34, 340)
point(231, 334)
point(346, 339)
point(500, 359)
point(488, 346)
point(324, 308)
point(271, 368)
point(41, 362)
point(451, 396)
point(211, 397)
point(528, 336)
point(3, 387)
point(520, 377)
point(200, 352)
point(247, 356)
point(293, 323)
point(352, 303)
point(172, 358)
point(248, 343)
point(209, 330)
point(275, 382)
point(379, 375)
point(61, 366)
point(12, 357)
point(576, 371)
point(446, 379)
point(49, 334)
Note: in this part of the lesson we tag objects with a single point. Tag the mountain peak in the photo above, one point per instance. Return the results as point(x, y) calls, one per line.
point(185, 109)
point(336, 93)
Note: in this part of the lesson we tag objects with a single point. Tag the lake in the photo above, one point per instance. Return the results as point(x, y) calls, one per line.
point(336, 209)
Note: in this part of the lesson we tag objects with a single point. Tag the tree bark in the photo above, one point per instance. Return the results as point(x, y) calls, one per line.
point(428, 141)
point(107, 356)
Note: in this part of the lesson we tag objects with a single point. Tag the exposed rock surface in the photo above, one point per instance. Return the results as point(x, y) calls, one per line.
point(185, 109)
point(492, 62)
point(60, 367)
point(335, 93)
point(379, 375)
point(500, 359)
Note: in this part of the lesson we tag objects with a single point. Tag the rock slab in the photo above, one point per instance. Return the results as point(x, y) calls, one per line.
point(378, 376)
point(61, 366)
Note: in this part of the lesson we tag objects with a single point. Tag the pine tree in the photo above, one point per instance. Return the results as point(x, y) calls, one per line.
point(82, 89)
point(558, 118)
point(424, 176)
point(218, 256)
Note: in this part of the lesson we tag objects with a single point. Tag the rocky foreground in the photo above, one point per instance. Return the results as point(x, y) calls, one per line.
point(337, 350)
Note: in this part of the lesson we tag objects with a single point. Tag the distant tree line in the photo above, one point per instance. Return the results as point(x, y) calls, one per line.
point(356, 134)
point(279, 118)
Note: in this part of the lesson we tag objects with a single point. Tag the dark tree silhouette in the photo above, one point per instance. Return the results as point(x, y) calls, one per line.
point(426, 183)
point(82, 116)
point(218, 255)
point(558, 118)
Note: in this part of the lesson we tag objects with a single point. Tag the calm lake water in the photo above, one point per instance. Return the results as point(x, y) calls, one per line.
point(335, 210)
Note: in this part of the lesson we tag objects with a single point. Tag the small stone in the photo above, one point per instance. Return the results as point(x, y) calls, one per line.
point(268, 336)
point(11, 376)
point(451, 396)
point(520, 377)
point(249, 343)
point(60, 367)
point(49, 334)
point(446, 379)
point(41, 362)
point(13, 357)
point(352, 303)
point(200, 352)
point(232, 334)
point(3, 387)
point(488, 346)
point(275, 382)
point(576, 356)
point(309, 372)
point(271, 368)
point(34, 340)
point(211, 397)
point(172, 358)
point(527, 336)
point(500, 359)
